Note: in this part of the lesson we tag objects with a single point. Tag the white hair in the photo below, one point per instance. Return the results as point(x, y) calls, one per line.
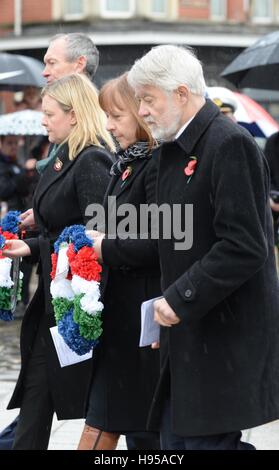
point(167, 67)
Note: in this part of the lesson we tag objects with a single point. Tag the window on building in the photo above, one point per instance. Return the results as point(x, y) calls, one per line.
point(218, 9)
point(194, 3)
point(159, 7)
point(117, 8)
point(262, 10)
point(74, 8)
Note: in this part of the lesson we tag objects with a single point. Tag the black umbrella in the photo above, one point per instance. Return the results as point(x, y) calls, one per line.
point(257, 66)
point(18, 71)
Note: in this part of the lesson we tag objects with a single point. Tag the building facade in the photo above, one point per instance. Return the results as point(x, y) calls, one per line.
point(124, 29)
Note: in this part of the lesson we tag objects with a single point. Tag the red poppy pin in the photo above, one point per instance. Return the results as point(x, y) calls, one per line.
point(190, 168)
point(126, 173)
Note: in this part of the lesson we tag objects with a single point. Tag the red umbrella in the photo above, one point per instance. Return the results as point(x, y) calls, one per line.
point(254, 117)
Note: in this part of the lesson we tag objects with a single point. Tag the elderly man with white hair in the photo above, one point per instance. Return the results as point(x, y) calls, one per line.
point(219, 318)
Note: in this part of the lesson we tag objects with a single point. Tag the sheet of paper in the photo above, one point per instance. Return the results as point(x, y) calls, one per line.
point(150, 330)
point(66, 356)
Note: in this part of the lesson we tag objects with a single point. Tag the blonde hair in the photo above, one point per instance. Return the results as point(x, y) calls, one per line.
point(117, 93)
point(76, 93)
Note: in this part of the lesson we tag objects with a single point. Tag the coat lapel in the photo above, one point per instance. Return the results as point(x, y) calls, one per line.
point(50, 175)
point(198, 126)
point(137, 167)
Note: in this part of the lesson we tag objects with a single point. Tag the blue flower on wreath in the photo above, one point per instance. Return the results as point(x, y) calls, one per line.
point(6, 315)
point(2, 241)
point(69, 330)
point(11, 222)
point(74, 234)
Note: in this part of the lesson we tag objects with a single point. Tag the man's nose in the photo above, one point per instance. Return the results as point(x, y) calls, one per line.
point(45, 72)
point(142, 112)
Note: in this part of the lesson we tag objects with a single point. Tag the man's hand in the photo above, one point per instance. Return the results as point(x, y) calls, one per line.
point(164, 314)
point(27, 219)
point(16, 249)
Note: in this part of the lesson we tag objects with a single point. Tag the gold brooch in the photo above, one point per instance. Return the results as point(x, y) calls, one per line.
point(58, 164)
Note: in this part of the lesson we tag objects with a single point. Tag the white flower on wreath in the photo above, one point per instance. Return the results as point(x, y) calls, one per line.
point(91, 289)
point(5, 273)
point(61, 288)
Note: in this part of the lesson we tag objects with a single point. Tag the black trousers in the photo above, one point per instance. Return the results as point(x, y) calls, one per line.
point(37, 410)
point(7, 436)
point(225, 441)
point(143, 441)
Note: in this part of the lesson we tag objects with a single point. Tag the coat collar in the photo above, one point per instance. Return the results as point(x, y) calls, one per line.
point(50, 175)
point(188, 139)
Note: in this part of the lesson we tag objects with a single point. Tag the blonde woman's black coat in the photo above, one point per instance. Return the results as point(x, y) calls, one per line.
point(60, 200)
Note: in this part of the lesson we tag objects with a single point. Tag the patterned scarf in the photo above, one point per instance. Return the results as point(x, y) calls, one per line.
point(137, 151)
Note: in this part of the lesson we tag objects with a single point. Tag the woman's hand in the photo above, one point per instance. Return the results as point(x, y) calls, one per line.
point(16, 249)
point(274, 205)
point(93, 234)
point(97, 238)
point(27, 219)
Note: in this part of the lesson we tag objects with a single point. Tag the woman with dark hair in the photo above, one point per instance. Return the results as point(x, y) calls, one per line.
point(124, 375)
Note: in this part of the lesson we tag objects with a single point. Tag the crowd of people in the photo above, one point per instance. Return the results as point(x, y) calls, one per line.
point(150, 137)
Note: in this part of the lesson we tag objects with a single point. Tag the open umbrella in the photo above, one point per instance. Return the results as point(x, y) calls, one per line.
point(248, 112)
point(257, 66)
point(18, 71)
point(27, 122)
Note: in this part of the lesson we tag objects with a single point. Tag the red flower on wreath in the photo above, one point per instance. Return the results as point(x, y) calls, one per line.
point(54, 259)
point(7, 236)
point(10, 236)
point(85, 263)
point(190, 168)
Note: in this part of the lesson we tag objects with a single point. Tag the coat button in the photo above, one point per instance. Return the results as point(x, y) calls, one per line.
point(188, 293)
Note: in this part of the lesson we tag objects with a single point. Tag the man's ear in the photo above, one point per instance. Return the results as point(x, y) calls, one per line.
point(183, 93)
point(81, 64)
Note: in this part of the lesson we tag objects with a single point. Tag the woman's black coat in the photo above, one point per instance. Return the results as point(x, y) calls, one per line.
point(125, 375)
point(60, 200)
point(223, 357)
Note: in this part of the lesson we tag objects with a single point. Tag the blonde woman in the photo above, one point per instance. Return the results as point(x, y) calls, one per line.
point(75, 175)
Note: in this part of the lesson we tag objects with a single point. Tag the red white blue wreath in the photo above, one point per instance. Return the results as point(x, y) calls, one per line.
point(75, 295)
point(8, 296)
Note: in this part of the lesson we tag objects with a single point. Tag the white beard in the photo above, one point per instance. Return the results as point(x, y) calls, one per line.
point(166, 134)
point(168, 131)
